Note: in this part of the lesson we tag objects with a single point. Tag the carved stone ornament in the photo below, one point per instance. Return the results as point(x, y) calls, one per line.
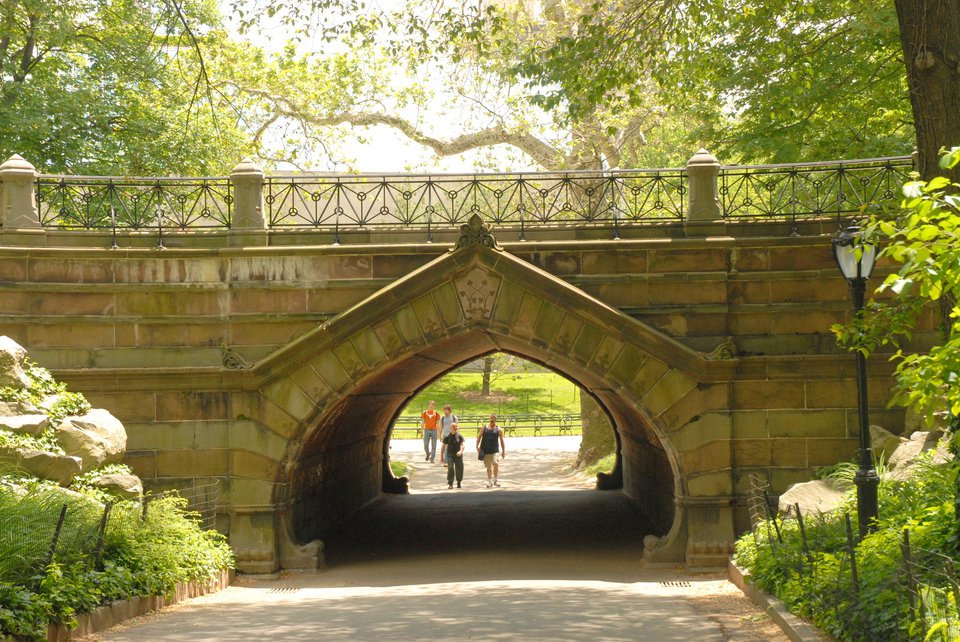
point(475, 233)
point(477, 290)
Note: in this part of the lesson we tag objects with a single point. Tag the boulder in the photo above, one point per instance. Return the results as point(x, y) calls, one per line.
point(14, 408)
point(45, 465)
point(883, 442)
point(11, 364)
point(903, 462)
point(817, 496)
point(97, 437)
point(28, 424)
point(123, 486)
point(908, 451)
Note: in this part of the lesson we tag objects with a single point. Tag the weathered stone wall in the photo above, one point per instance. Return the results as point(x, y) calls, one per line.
point(205, 355)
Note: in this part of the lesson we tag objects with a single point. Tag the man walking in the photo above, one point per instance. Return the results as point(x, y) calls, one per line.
point(431, 420)
point(490, 443)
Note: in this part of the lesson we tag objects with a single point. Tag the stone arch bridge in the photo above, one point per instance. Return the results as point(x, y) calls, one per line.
point(279, 369)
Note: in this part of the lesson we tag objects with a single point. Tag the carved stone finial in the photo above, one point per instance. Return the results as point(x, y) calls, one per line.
point(476, 233)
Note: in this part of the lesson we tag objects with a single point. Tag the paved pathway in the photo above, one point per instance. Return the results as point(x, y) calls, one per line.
point(541, 558)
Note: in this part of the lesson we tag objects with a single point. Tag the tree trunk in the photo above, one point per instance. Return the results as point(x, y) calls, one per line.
point(930, 36)
point(487, 371)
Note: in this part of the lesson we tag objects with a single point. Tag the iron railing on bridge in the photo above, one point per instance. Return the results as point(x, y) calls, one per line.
point(337, 203)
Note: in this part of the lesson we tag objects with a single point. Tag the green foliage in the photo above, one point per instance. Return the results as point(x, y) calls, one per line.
point(399, 468)
point(923, 239)
point(139, 557)
point(603, 465)
point(824, 590)
point(50, 397)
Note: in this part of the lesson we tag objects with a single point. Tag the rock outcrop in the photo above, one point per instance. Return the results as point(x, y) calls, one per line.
point(88, 442)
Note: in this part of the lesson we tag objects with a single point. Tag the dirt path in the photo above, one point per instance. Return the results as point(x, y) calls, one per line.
point(540, 558)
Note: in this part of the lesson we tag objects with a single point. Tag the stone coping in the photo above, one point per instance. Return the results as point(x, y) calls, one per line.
point(109, 615)
point(796, 628)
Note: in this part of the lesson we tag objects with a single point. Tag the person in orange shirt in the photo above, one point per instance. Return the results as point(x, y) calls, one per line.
point(431, 422)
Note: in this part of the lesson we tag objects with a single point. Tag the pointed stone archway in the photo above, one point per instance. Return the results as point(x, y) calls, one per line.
point(333, 394)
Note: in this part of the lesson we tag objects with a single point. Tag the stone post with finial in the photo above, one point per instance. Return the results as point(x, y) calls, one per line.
point(703, 206)
point(248, 226)
point(19, 215)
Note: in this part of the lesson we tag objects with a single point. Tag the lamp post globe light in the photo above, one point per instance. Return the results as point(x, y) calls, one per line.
point(855, 258)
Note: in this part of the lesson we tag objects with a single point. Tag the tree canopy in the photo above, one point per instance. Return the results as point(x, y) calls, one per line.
point(169, 86)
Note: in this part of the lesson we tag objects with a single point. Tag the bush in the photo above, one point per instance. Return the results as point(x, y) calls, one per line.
point(138, 556)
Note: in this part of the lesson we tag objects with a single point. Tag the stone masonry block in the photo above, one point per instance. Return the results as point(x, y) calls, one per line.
point(507, 304)
point(142, 463)
point(390, 338)
point(711, 456)
point(807, 423)
point(331, 371)
point(267, 301)
point(803, 321)
point(687, 292)
point(367, 345)
point(667, 391)
point(250, 492)
point(647, 374)
point(428, 317)
point(627, 364)
point(350, 359)
point(251, 465)
point(753, 452)
point(606, 354)
point(750, 424)
point(288, 395)
point(310, 382)
point(68, 335)
point(351, 267)
point(703, 398)
point(709, 484)
point(254, 437)
point(711, 427)
point(160, 435)
point(750, 292)
point(547, 323)
point(827, 452)
point(192, 463)
point(186, 406)
point(129, 406)
point(789, 453)
point(334, 300)
point(165, 303)
point(762, 395)
point(587, 341)
point(405, 320)
point(614, 262)
point(566, 335)
point(13, 269)
point(527, 315)
point(63, 270)
point(688, 260)
point(832, 393)
point(448, 305)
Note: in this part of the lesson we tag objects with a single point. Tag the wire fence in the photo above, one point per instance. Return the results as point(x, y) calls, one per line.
point(74, 534)
point(851, 590)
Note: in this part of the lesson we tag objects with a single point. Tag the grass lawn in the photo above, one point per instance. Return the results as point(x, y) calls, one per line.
point(525, 393)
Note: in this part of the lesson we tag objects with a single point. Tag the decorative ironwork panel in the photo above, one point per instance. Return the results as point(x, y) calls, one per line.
point(811, 190)
point(91, 203)
point(450, 200)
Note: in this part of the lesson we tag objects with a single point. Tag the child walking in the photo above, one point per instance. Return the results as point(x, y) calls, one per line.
point(451, 452)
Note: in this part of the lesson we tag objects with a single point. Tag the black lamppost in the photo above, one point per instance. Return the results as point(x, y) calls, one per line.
point(855, 259)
